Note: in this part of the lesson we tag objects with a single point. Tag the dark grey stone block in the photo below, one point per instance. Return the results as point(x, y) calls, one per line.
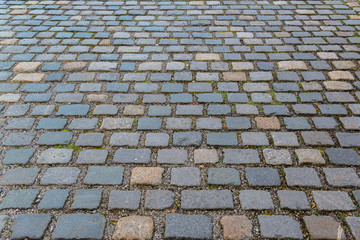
point(132, 156)
point(188, 226)
point(262, 176)
point(159, 199)
point(54, 199)
point(92, 226)
point(102, 175)
point(206, 199)
point(87, 199)
point(31, 226)
point(124, 200)
point(223, 176)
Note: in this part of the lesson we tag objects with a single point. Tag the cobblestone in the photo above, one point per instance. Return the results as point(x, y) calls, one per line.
point(161, 111)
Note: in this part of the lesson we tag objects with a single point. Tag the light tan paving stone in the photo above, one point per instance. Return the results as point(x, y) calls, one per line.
point(267, 122)
point(236, 227)
point(27, 66)
point(146, 175)
point(18, 12)
point(11, 41)
point(28, 77)
point(292, 65)
point(134, 227)
point(10, 97)
point(134, 110)
point(243, 66)
point(234, 76)
point(312, 86)
point(344, 65)
point(327, 55)
point(74, 66)
point(340, 75)
point(309, 156)
point(207, 57)
point(206, 156)
point(337, 85)
point(97, 98)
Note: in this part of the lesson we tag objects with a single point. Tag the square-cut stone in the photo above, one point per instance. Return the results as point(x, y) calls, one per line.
point(354, 223)
point(188, 226)
point(205, 156)
point(146, 175)
point(262, 176)
point(223, 176)
point(92, 226)
point(18, 156)
point(132, 156)
point(293, 200)
point(159, 199)
point(134, 227)
point(20, 176)
point(286, 139)
point(302, 177)
point(19, 139)
point(279, 226)
point(342, 177)
point(254, 139)
point(90, 139)
point(54, 199)
point(236, 227)
point(60, 176)
point(124, 200)
point(333, 201)
point(172, 156)
point(103, 175)
point(30, 226)
point(342, 156)
point(87, 199)
point(185, 176)
point(277, 157)
point(206, 199)
point(255, 200)
point(324, 227)
point(241, 156)
point(117, 123)
point(125, 139)
point(28, 77)
point(309, 156)
point(22, 199)
point(157, 139)
point(92, 156)
point(55, 155)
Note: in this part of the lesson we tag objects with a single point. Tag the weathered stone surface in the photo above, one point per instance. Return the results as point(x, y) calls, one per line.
point(134, 227)
point(158, 199)
point(92, 226)
point(206, 199)
point(309, 156)
point(236, 227)
point(279, 226)
point(333, 200)
point(146, 175)
point(28, 77)
point(324, 227)
point(206, 156)
point(188, 226)
point(31, 226)
point(354, 223)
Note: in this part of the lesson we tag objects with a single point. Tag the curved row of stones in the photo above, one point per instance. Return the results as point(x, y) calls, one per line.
point(179, 120)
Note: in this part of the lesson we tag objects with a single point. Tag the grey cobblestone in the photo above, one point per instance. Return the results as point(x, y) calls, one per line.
point(180, 97)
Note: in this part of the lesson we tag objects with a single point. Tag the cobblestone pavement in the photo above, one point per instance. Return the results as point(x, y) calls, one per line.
point(185, 119)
